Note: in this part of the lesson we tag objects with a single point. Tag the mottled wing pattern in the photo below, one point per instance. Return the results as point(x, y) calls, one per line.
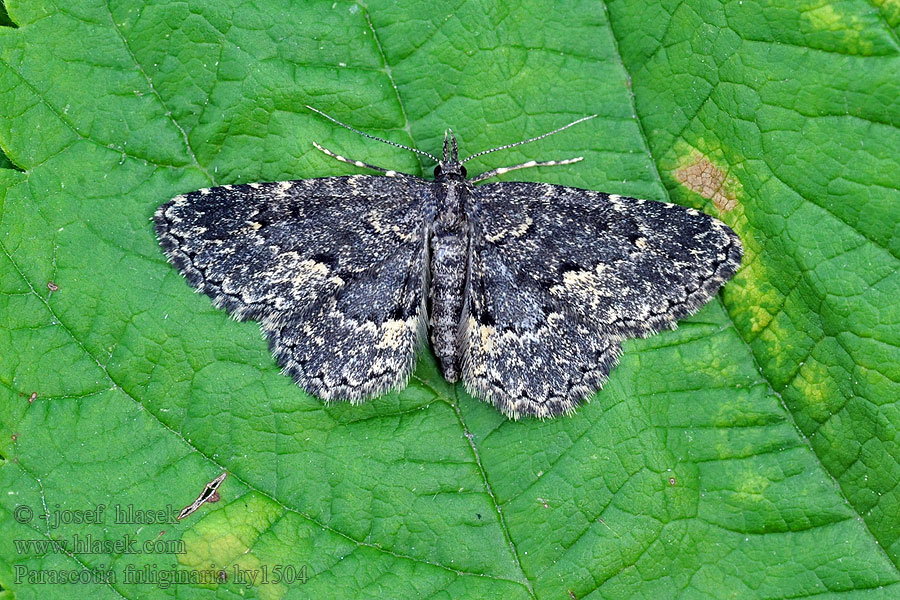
point(332, 268)
point(559, 276)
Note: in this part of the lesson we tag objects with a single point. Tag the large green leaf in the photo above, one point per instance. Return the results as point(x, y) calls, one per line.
point(751, 453)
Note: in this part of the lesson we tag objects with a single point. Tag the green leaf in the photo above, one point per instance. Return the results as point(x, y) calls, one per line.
point(751, 453)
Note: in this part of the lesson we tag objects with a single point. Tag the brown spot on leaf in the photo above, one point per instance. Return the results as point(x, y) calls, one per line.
point(52, 286)
point(702, 176)
point(32, 397)
point(672, 481)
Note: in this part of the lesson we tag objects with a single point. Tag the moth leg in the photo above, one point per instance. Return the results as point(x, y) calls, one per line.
point(357, 163)
point(525, 165)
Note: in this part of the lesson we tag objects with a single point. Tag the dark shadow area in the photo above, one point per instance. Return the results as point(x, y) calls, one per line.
point(5, 163)
point(5, 21)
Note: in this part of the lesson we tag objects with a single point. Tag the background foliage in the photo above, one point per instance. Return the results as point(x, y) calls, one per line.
point(751, 453)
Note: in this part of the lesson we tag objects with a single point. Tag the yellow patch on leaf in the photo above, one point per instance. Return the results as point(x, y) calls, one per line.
point(224, 540)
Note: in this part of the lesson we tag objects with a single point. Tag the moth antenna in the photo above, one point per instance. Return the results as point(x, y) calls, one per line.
point(528, 141)
point(370, 136)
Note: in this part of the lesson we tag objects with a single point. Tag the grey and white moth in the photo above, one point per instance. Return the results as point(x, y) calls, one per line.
point(526, 289)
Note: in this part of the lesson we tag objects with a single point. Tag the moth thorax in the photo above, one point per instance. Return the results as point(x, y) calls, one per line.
point(451, 204)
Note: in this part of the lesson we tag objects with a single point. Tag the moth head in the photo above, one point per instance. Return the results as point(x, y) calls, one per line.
point(450, 166)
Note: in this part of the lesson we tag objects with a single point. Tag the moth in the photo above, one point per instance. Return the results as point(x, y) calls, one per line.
point(526, 290)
